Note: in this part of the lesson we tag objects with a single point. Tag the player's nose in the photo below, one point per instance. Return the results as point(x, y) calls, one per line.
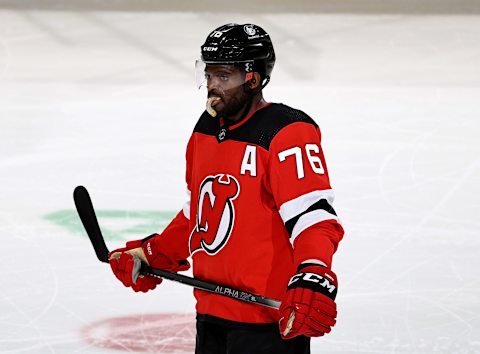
point(213, 82)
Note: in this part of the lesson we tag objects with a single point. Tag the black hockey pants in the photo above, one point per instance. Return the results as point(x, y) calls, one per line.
point(217, 336)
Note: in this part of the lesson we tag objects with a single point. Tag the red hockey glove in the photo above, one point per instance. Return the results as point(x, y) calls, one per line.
point(126, 262)
point(309, 308)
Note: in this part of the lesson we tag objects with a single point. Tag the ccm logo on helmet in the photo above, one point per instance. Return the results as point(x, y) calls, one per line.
point(215, 214)
point(314, 278)
point(210, 49)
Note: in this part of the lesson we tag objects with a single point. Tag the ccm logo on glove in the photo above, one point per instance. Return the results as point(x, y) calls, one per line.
point(315, 279)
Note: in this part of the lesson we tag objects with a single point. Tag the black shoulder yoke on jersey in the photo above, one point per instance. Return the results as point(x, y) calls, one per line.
point(260, 129)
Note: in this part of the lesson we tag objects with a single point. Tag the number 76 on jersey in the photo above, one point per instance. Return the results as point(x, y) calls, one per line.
point(249, 161)
point(296, 151)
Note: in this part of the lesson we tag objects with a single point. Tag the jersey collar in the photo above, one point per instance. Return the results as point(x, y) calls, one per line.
point(243, 121)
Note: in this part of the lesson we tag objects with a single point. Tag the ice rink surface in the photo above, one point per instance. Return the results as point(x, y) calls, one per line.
point(106, 99)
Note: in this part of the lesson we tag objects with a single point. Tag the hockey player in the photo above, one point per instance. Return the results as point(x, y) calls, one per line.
point(259, 215)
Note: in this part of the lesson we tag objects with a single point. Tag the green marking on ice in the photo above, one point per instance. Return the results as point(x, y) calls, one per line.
point(116, 225)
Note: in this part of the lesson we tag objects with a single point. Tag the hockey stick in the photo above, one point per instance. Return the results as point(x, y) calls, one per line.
point(86, 212)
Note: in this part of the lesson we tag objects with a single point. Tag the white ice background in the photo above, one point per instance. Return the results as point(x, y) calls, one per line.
point(107, 99)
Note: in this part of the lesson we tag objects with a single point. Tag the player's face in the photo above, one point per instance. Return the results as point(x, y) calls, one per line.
point(226, 83)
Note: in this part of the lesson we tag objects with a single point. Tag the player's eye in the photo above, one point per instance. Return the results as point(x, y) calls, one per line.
point(208, 76)
point(223, 77)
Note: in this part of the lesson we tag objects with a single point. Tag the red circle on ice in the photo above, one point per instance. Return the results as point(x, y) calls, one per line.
point(152, 333)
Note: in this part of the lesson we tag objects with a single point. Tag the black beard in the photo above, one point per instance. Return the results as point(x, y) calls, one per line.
point(236, 104)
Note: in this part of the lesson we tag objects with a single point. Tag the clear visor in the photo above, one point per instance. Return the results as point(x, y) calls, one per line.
point(221, 77)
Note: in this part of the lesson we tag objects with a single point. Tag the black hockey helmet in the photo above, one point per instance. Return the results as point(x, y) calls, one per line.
point(237, 44)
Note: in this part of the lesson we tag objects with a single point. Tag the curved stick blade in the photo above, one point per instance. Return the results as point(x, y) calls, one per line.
point(85, 210)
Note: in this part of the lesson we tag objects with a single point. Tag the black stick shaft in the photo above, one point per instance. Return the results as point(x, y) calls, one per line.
point(87, 215)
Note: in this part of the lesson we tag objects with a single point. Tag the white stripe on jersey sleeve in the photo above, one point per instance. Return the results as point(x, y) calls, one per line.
point(309, 219)
point(186, 206)
point(292, 208)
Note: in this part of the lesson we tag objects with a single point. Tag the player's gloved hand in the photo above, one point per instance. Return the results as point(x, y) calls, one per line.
point(126, 263)
point(309, 308)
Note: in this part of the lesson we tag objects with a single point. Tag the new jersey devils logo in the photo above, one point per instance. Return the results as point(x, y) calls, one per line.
point(215, 214)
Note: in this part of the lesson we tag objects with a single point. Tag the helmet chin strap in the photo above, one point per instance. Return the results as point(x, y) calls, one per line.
point(267, 80)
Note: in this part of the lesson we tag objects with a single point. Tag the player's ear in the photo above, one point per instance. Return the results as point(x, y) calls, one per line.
point(255, 81)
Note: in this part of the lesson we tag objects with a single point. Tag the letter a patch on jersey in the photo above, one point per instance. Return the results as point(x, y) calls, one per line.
point(215, 214)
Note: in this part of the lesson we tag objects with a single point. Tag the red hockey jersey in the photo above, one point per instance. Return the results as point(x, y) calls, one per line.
point(260, 204)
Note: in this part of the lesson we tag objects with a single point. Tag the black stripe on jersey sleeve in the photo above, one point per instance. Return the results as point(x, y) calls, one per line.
point(321, 204)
